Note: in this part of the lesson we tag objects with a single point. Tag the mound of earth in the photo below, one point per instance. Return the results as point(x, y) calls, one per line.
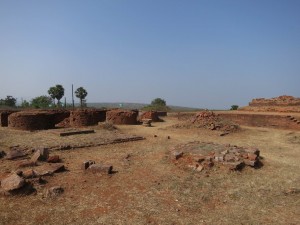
point(206, 155)
point(282, 103)
point(209, 120)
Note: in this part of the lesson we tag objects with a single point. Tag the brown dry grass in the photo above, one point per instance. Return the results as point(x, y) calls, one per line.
point(148, 189)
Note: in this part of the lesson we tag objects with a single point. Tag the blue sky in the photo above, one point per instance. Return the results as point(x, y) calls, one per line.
point(204, 53)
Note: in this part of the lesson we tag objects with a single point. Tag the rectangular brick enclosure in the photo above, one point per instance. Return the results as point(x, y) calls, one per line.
point(263, 120)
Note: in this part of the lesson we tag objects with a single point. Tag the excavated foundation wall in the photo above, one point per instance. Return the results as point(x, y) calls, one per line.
point(86, 117)
point(60, 115)
point(4, 117)
point(162, 113)
point(37, 119)
point(31, 121)
point(260, 120)
point(122, 116)
point(152, 115)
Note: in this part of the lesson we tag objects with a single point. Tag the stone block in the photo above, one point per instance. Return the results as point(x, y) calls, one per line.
point(15, 153)
point(53, 159)
point(87, 164)
point(100, 168)
point(12, 182)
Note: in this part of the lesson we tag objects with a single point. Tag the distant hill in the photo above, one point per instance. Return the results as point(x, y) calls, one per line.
point(126, 105)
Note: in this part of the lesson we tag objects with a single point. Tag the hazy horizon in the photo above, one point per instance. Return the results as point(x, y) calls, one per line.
point(203, 54)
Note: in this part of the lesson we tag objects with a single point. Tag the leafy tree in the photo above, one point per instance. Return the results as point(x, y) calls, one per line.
point(158, 102)
point(81, 93)
point(234, 107)
point(42, 101)
point(25, 104)
point(56, 92)
point(8, 101)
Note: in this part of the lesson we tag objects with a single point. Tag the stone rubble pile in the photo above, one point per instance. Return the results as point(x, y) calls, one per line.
point(31, 170)
point(212, 121)
point(202, 155)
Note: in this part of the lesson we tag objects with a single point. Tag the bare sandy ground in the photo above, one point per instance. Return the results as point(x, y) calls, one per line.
point(147, 188)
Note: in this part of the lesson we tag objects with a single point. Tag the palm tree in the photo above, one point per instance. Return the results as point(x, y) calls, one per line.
point(56, 92)
point(81, 93)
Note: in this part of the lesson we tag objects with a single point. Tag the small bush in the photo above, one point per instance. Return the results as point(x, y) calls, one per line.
point(234, 107)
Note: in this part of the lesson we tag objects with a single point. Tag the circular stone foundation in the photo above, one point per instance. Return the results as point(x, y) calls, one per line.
point(122, 116)
point(31, 120)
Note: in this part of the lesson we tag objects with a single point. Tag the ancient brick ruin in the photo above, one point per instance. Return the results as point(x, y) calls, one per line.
point(283, 100)
point(4, 117)
point(282, 103)
point(50, 119)
point(118, 116)
point(150, 115)
point(210, 120)
point(36, 120)
point(86, 117)
point(263, 120)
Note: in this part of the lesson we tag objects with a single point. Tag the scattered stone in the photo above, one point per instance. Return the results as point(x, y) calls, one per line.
point(169, 137)
point(208, 164)
point(252, 156)
point(53, 159)
point(250, 162)
point(200, 159)
point(41, 154)
point(15, 153)
point(100, 168)
point(199, 168)
point(223, 134)
point(54, 192)
point(26, 163)
point(27, 174)
point(46, 170)
point(225, 152)
point(219, 158)
point(155, 135)
point(19, 172)
point(252, 150)
point(12, 182)
point(2, 154)
point(177, 155)
point(87, 164)
point(208, 154)
point(37, 181)
point(230, 157)
point(147, 122)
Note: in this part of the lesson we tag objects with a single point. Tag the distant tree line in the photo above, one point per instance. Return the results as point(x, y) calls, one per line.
point(47, 101)
point(157, 104)
point(8, 101)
